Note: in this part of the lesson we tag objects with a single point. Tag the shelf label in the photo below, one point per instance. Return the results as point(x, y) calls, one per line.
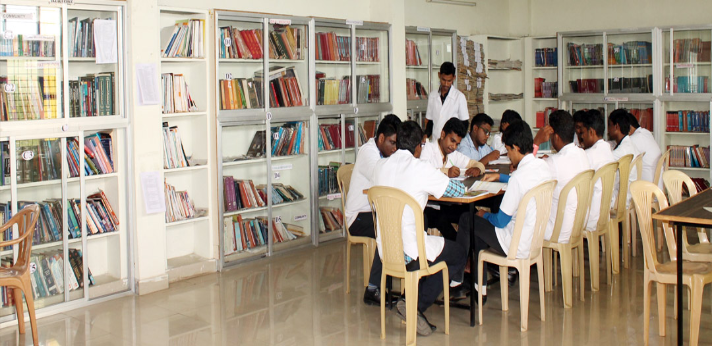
point(280, 21)
point(354, 22)
point(65, 127)
point(33, 267)
point(448, 48)
point(355, 110)
point(277, 175)
point(423, 29)
point(300, 217)
point(275, 136)
point(42, 64)
point(351, 127)
point(437, 52)
point(227, 42)
point(38, 38)
point(283, 167)
point(278, 219)
point(18, 16)
point(268, 115)
point(333, 196)
point(8, 35)
point(616, 79)
point(68, 2)
point(684, 65)
point(620, 99)
point(28, 155)
point(9, 88)
point(228, 76)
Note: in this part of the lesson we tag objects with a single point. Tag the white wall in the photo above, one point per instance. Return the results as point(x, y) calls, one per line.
point(488, 17)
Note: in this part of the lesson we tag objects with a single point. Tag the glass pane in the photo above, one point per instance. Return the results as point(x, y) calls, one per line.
point(441, 52)
point(643, 112)
point(372, 66)
point(240, 58)
point(291, 210)
point(244, 168)
point(353, 134)
point(417, 60)
point(289, 65)
point(687, 132)
point(329, 160)
point(545, 72)
point(333, 65)
point(630, 63)
point(6, 253)
point(506, 79)
point(583, 66)
point(691, 61)
point(367, 126)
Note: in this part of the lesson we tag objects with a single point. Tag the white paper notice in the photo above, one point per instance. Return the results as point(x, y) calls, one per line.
point(153, 196)
point(147, 84)
point(105, 41)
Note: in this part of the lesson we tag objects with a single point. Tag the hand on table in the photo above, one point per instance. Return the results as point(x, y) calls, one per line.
point(490, 157)
point(473, 172)
point(491, 177)
point(453, 172)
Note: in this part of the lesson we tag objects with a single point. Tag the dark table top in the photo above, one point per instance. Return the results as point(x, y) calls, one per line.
point(689, 211)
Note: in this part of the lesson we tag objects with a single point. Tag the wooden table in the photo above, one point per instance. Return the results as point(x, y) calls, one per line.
point(688, 213)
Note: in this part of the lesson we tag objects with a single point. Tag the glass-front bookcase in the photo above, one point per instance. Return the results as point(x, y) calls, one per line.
point(686, 56)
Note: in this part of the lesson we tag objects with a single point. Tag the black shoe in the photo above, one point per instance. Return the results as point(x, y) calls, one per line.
point(512, 277)
point(459, 292)
point(422, 321)
point(494, 272)
point(373, 297)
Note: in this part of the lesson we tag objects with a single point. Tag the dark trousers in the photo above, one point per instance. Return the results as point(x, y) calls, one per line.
point(486, 238)
point(363, 227)
point(450, 214)
point(454, 254)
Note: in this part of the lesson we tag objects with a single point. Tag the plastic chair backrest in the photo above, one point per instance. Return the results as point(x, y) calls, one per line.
point(638, 165)
point(542, 195)
point(343, 178)
point(623, 175)
point(389, 204)
point(662, 166)
point(643, 193)
point(582, 183)
point(607, 175)
point(26, 220)
point(673, 181)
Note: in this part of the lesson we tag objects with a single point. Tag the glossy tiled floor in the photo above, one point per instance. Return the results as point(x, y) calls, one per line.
point(300, 299)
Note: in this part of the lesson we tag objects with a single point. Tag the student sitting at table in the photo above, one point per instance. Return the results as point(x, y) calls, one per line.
point(359, 217)
point(509, 116)
point(495, 231)
point(618, 129)
point(644, 142)
point(403, 170)
point(599, 154)
point(568, 162)
point(443, 155)
point(475, 145)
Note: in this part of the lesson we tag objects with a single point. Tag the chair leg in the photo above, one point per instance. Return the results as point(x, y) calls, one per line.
point(547, 253)
point(608, 256)
point(674, 302)
point(480, 268)
point(540, 274)
point(696, 297)
point(383, 305)
point(566, 277)
point(593, 263)
point(646, 309)
point(17, 295)
point(613, 236)
point(556, 267)
point(348, 267)
point(661, 308)
point(582, 277)
point(367, 260)
point(626, 241)
point(504, 286)
point(524, 292)
point(31, 310)
point(575, 263)
point(411, 310)
point(446, 298)
point(633, 233)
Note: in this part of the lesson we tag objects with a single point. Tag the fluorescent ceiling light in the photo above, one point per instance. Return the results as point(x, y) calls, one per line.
point(455, 2)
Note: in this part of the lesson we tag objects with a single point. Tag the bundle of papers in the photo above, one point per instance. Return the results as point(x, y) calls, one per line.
point(484, 187)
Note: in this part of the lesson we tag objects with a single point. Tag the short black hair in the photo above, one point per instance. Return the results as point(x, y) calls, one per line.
point(593, 119)
point(388, 126)
point(579, 116)
point(633, 120)
point(620, 117)
point(563, 124)
point(520, 134)
point(455, 125)
point(410, 135)
point(448, 68)
point(480, 119)
point(509, 116)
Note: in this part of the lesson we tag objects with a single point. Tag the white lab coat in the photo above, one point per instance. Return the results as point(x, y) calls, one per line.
point(455, 106)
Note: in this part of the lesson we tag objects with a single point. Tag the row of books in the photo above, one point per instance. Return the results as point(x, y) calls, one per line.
point(186, 41)
point(173, 152)
point(98, 155)
point(545, 57)
point(368, 89)
point(690, 50)
point(280, 193)
point(328, 183)
point(631, 85)
point(330, 219)
point(175, 96)
point(179, 205)
point(92, 95)
point(332, 47)
point(38, 160)
point(285, 42)
point(289, 139)
point(243, 234)
point(28, 45)
point(366, 131)
point(688, 121)
point(241, 194)
point(542, 117)
point(544, 89)
point(240, 93)
point(633, 52)
point(585, 54)
point(81, 37)
point(689, 156)
point(586, 86)
point(285, 88)
point(48, 278)
point(332, 91)
point(415, 90)
point(644, 117)
point(33, 92)
point(688, 84)
point(412, 54)
point(367, 49)
point(330, 136)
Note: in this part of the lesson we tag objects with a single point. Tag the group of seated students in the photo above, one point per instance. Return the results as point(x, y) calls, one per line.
point(401, 156)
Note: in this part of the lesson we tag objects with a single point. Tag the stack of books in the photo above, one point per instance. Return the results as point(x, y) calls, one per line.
point(243, 234)
point(287, 42)
point(173, 152)
point(332, 91)
point(280, 193)
point(328, 182)
point(688, 84)
point(368, 89)
point(98, 155)
point(690, 50)
point(48, 278)
point(332, 47)
point(175, 97)
point(412, 54)
point(506, 64)
point(331, 219)
point(415, 90)
point(505, 97)
point(367, 49)
point(186, 41)
point(628, 53)
point(285, 88)
point(28, 46)
point(179, 205)
point(545, 57)
point(81, 37)
point(689, 156)
point(101, 218)
point(241, 194)
point(240, 93)
point(585, 54)
point(92, 95)
point(544, 89)
point(688, 121)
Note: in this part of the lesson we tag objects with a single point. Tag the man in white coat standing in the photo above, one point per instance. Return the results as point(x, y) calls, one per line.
point(445, 103)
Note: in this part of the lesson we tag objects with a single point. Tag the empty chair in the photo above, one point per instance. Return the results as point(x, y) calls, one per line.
point(702, 251)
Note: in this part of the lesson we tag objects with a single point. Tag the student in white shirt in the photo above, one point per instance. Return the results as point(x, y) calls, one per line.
point(404, 171)
point(644, 141)
point(359, 218)
point(495, 231)
point(474, 145)
point(578, 127)
point(599, 154)
point(509, 116)
point(568, 162)
point(618, 129)
point(445, 103)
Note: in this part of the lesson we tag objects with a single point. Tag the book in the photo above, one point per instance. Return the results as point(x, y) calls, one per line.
point(545, 57)
point(332, 91)
point(21, 45)
point(49, 280)
point(328, 183)
point(175, 95)
point(543, 89)
point(368, 89)
point(687, 121)
point(415, 90)
point(331, 219)
point(332, 47)
point(186, 40)
point(179, 205)
point(480, 187)
point(173, 152)
point(689, 156)
point(412, 54)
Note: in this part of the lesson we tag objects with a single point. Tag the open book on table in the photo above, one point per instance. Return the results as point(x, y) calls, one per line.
point(484, 187)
